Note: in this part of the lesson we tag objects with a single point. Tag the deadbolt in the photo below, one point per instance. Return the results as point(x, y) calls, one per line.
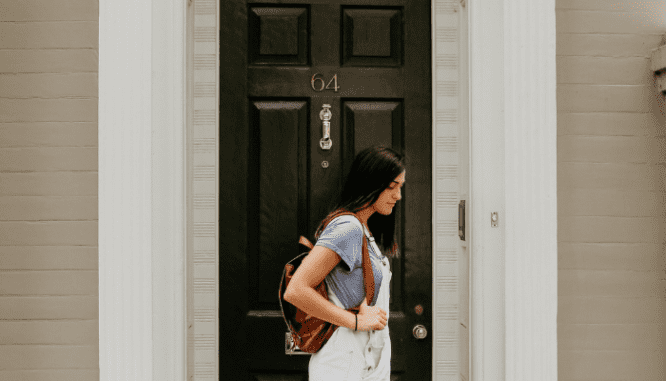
point(420, 332)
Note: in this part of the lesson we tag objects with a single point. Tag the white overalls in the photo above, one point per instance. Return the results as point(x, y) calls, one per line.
point(360, 355)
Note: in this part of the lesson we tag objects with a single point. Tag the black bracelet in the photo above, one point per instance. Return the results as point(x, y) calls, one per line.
point(355, 328)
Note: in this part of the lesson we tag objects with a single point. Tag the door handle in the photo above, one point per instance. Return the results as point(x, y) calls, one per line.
point(325, 116)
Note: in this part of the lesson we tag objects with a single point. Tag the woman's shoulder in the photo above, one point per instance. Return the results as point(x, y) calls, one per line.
point(343, 226)
point(348, 221)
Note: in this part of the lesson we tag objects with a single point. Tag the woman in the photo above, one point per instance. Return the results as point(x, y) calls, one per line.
point(360, 349)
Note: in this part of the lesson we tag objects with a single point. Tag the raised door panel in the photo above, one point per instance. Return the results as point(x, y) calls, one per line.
point(277, 191)
point(372, 36)
point(278, 35)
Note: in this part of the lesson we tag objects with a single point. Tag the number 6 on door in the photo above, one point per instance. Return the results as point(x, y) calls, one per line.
point(333, 80)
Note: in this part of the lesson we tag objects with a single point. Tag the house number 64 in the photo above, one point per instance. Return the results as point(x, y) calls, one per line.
point(320, 86)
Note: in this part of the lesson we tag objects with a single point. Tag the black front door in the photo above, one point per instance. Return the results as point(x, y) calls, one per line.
point(281, 62)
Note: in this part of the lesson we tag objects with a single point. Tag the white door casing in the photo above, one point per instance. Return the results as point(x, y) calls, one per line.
point(147, 110)
point(449, 177)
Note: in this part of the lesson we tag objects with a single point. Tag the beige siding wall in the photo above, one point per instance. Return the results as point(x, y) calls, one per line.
point(48, 190)
point(611, 192)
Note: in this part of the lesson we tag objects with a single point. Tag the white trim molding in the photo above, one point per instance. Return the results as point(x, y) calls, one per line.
point(168, 183)
point(513, 172)
point(448, 171)
point(486, 117)
point(530, 140)
point(142, 226)
point(203, 180)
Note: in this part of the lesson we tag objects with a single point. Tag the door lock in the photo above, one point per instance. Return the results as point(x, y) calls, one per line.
point(420, 332)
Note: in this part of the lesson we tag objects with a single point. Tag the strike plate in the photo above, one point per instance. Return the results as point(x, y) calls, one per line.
point(494, 218)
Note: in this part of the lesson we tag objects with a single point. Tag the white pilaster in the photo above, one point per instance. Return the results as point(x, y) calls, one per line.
point(168, 190)
point(513, 172)
point(141, 190)
point(486, 39)
point(530, 141)
point(125, 240)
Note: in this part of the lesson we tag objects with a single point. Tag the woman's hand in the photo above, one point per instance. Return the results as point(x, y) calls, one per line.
point(371, 318)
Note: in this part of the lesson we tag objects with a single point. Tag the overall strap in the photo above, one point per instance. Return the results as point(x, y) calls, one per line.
point(368, 276)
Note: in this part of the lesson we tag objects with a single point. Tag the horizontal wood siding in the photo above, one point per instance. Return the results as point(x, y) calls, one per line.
point(611, 192)
point(49, 326)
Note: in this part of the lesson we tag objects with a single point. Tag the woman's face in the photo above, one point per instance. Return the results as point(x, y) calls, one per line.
point(390, 196)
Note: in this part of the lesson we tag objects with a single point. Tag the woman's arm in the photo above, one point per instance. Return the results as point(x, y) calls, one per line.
point(301, 293)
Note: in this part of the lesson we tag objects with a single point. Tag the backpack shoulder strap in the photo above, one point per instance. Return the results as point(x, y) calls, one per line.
point(305, 242)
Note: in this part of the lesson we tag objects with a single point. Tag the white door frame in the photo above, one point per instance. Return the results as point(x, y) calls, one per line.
point(143, 219)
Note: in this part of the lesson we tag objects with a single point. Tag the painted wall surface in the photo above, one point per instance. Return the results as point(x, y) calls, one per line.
point(48, 190)
point(611, 192)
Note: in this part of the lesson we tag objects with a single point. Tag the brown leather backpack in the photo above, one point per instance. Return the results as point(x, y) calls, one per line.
point(308, 332)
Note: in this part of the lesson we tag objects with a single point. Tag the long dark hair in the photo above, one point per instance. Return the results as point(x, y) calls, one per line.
point(371, 172)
